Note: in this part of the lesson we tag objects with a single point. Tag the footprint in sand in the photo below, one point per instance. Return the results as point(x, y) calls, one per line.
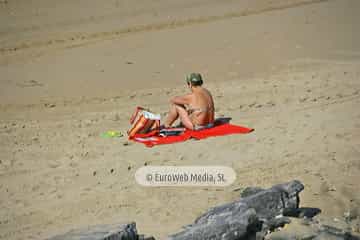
point(49, 105)
point(270, 103)
point(325, 187)
point(252, 104)
point(339, 95)
point(20, 203)
point(31, 83)
point(54, 164)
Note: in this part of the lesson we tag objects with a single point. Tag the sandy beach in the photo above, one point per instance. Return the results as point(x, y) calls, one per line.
point(71, 70)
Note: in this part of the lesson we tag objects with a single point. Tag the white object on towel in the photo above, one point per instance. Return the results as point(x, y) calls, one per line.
point(152, 116)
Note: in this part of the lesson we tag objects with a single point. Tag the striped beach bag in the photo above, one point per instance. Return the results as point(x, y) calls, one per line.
point(143, 121)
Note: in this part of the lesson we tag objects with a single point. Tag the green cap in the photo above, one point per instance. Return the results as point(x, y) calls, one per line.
point(195, 79)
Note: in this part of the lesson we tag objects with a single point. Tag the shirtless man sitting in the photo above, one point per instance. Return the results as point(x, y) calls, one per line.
point(196, 109)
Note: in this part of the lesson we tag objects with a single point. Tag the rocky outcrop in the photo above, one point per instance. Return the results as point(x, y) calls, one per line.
point(104, 232)
point(315, 229)
point(259, 214)
point(258, 211)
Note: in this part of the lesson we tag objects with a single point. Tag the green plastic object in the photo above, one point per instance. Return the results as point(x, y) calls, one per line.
point(112, 134)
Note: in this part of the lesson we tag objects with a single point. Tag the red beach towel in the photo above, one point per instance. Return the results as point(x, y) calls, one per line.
point(153, 139)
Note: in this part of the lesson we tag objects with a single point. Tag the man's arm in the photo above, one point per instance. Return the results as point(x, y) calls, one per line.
point(181, 100)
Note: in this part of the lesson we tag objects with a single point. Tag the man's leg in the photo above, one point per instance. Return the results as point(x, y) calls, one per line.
point(177, 111)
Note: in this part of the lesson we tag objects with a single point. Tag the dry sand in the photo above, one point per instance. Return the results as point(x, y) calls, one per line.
point(73, 69)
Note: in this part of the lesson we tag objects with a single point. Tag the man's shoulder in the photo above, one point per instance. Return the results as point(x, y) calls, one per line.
point(207, 91)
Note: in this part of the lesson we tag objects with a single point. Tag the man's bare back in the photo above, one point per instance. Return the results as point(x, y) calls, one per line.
point(195, 110)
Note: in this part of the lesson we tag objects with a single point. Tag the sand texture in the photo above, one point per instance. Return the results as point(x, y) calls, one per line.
point(71, 70)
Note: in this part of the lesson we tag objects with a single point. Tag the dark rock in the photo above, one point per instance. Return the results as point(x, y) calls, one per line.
point(229, 223)
point(274, 201)
point(324, 229)
point(275, 223)
point(291, 236)
point(103, 232)
point(258, 215)
point(255, 212)
point(250, 191)
point(296, 230)
point(302, 212)
point(332, 236)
